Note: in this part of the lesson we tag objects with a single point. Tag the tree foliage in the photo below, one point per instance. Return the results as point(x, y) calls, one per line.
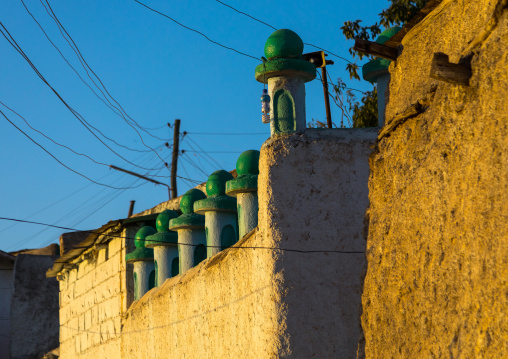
point(364, 113)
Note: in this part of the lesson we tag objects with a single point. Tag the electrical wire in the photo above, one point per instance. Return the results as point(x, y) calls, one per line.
point(183, 244)
point(202, 151)
point(196, 31)
point(226, 133)
point(49, 138)
point(112, 108)
point(87, 67)
point(189, 184)
point(56, 159)
point(243, 13)
point(264, 23)
point(213, 151)
point(193, 164)
point(80, 118)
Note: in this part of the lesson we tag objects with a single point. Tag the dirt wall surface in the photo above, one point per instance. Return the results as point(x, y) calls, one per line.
point(223, 308)
point(313, 196)
point(437, 251)
point(262, 303)
point(34, 307)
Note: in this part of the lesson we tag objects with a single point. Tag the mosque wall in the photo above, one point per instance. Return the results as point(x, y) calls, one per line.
point(437, 246)
point(265, 303)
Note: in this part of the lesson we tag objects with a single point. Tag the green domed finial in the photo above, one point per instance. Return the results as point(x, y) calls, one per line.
point(284, 43)
point(387, 34)
point(248, 163)
point(139, 239)
point(378, 67)
point(247, 168)
point(216, 184)
point(163, 218)
point(188, 199)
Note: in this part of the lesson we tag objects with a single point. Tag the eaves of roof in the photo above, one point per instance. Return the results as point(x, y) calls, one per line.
point(101, 235)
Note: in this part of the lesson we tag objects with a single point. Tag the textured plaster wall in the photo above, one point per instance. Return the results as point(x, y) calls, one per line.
point(34, 307)
point(313, 196)
point(436, 284)
point(92, 298)
point(223, 308)
point(259, 303)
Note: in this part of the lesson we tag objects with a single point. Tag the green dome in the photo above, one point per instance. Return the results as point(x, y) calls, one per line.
point(163, 218)
point(248, 163)
point(387, 34)
point(378, 67)
point(139, 239)
point(216, 184)
point(188, 199)
point(283, 43)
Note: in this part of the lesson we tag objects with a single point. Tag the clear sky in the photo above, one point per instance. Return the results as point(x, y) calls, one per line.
point(157, 71)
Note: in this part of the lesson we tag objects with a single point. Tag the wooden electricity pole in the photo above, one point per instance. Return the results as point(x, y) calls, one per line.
point(174, 160)
point(324, 79)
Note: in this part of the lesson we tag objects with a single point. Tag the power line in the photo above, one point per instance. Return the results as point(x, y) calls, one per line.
point(226, 133)
point(49, 138)
point(199, 147)
point(243, 13)
point(85, 65)
point(80, 118)
point(114, 109)
point(56, 159)
point(193, 164)
point(196, 31)
point(179, 243)
point(213, 151)
point(264, 23)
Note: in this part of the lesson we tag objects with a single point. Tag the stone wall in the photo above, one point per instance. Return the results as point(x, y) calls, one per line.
point(34, 307)
point(92, 298)
point(264, 303)
point(436, 284)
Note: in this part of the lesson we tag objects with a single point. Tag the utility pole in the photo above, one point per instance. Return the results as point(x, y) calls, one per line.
point(174, 160)
point(131, 209)
point(327, 99)
point(139, 176)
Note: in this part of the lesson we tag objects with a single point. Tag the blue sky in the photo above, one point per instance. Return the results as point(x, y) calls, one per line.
point(158, 71)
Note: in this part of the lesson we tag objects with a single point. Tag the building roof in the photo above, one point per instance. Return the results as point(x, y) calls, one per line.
point(100, 235)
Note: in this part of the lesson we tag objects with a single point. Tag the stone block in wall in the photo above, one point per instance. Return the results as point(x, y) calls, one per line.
point(109, 309)
point(88, 319)
point(65, 314)
point(84, 284)
point(102, 256)
point(107, 289)
point(108, 269)
point(114, 246)
point(95, 314)
point(73, 275)
point(67, 295)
